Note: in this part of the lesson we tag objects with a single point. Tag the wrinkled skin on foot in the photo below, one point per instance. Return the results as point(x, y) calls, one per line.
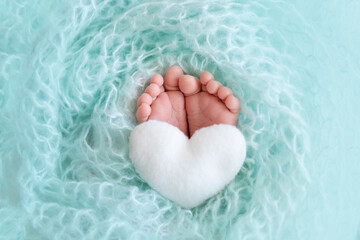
point(187, 103)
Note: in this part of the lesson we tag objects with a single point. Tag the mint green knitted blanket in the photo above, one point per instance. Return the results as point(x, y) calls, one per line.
point(70, 75)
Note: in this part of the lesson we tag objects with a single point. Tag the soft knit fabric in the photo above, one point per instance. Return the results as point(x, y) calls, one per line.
point(70, 75)
point(73, 72)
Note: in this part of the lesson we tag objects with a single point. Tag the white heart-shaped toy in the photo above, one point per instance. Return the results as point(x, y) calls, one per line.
point(187, 171)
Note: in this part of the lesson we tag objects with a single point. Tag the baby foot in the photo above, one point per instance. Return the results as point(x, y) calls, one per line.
point(164, 102)
point(208, 102)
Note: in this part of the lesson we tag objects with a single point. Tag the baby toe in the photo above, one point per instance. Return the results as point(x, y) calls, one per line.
point(189, 85)
point(144, 98)
point(172, 78)
point(143, 112)
point(213, 86)
point(157, 79)
point(205, 77)
point(233, 104)
point(153, 90)
point(224, 92)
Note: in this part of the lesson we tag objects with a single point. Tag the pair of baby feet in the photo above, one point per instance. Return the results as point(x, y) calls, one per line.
point(187, 103)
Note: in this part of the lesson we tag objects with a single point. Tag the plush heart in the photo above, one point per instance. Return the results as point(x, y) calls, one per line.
point(187, 171)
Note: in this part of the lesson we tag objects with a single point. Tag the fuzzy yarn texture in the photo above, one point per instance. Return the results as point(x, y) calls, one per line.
point(70, 75)
point(187, 171)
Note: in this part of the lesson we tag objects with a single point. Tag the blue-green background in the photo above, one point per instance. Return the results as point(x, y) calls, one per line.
point(70, 73)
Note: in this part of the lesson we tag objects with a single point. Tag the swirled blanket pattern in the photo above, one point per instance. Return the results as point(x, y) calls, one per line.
point(70, 75)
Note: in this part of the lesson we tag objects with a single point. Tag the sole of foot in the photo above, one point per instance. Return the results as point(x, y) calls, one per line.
point(186, 102)
point(208, 102)
point(163, 100)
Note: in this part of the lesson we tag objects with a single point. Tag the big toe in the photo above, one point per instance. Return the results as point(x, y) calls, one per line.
point(189, 85)
point(172, 78)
